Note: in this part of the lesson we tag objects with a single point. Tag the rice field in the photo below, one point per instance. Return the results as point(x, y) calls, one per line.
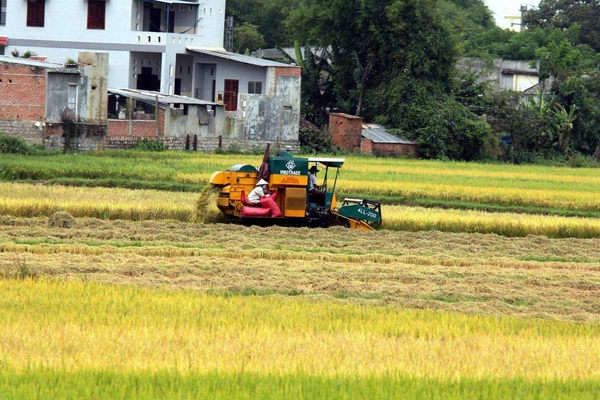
point(84, 340)
point(468, 273)
point(119, 309)
point(512, 188)
point(136, 298)
point(35, 200)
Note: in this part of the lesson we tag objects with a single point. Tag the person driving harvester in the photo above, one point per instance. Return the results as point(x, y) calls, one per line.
point(315, 195)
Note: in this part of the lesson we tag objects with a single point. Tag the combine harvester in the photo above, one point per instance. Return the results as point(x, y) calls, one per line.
point(288, 181)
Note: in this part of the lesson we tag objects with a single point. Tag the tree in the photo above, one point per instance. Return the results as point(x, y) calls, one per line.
point(268, 16)
point(247, 37)
point(566, 14)
point(393, 61)
point(317, 91)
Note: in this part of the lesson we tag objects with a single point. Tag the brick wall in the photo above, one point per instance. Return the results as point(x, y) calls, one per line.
point(345, 131)
point(366, 146)
point(394, 150)
point(288, 71)
point(22, 92)
point(139, 128)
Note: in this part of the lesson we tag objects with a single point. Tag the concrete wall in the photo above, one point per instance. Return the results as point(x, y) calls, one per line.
point(137, 62)
point(502, 74)
point(94, 90)
point(204, 74)
point(226, 69)
point(66, 20)
point(211, 28)
point(58, 93)
point(196, 122)
point(185, 72)
point(259, 119)
point(24, 129)
point(289, 93)
point(124, 33)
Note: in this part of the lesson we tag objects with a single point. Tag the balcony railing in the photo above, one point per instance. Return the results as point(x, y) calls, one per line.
point(164, 39)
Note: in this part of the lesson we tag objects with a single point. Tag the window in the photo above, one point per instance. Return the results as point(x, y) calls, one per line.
point(36, 10)
point(72, 97)
point(96, 14)
point(2, 12)
point(254, 87)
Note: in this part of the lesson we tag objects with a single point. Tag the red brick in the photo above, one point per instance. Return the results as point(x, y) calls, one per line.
point(22, 92)
point(345, 131)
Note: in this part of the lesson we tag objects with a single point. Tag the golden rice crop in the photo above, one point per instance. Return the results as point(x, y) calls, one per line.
point(29, 200)
point(565, 189)
point(471, 273)
point(508, 224)
point(546, 198)
point(39, 200)
point(83, 326)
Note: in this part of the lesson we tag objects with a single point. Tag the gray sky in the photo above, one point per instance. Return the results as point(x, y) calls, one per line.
point(500, 8)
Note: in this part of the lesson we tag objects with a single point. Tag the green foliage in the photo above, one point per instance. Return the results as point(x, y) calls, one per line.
point(317, 87)
point(564, 15)
point(247, 38)
point(267, 16)
point(12, 145)
point(393, 62)
point(149, 145)
point(312, 142)
point(16, 145)
point(27, 54)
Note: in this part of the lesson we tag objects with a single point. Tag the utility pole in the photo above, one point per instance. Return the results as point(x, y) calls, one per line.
point(523, 12)
point(229, 34)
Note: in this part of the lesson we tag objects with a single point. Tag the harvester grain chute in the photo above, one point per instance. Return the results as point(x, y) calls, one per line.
point(288, 178)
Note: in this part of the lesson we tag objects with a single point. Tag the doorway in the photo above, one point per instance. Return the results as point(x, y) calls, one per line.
point(147, 81)
point(155, 18)
point(230, 97)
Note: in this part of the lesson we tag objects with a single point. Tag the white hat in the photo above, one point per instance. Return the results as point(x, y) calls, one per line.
point(262, 182)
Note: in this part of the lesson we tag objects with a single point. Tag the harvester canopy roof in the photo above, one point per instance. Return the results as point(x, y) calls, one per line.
point(329, 162)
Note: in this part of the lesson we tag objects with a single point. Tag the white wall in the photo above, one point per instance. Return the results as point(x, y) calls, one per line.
point(65, 33)
point(212, 23)
point(66, 20)
point(226, 69)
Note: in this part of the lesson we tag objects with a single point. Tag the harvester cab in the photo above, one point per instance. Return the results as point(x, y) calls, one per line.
point(288, 179)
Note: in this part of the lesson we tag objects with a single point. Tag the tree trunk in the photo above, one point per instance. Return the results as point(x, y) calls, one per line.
point(597, 153)
point(360, 100)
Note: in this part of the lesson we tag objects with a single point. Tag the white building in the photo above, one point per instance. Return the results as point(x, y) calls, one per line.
point(170, 46)
point(152, 44)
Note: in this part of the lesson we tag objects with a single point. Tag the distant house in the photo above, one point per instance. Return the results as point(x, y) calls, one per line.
point(376, 140)
point(349, 133)
point(503, 75)
point(72, 108)
point(37, 97)
point(174, 47)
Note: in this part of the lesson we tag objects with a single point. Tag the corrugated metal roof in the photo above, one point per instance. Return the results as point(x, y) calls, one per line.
point(259, 62)
point(150, 97)
point(378, 134)
point(31, 63)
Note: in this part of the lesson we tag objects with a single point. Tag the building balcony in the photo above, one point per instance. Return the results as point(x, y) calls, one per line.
point(165, 39)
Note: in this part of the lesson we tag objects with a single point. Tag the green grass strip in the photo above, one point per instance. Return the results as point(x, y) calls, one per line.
point(45, 384)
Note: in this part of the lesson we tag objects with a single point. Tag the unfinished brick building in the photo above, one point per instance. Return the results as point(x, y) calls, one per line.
point(350, 133)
